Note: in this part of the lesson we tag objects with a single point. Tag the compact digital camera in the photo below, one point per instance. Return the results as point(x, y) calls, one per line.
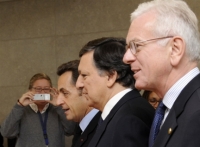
point(43, 97)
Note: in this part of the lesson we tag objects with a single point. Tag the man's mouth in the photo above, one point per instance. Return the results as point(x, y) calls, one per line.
point(135, 71)
point(66, 109)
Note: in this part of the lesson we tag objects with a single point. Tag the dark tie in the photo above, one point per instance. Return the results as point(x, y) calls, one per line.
point(159, 115)
point(100, 121)
point(77, 135)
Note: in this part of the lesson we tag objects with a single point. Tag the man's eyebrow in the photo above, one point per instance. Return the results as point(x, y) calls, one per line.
point(61, 90)
point(134, 40)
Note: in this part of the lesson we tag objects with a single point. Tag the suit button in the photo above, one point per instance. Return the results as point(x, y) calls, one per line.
point(81, 140)
point(170, 131)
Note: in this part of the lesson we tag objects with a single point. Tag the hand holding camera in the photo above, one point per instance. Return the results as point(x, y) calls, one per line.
point(26, 99)
point(43, 97)
point(30, 97)
point(54, 95)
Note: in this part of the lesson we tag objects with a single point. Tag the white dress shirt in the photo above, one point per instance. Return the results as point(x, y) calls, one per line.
point(112, 102)
point(173, 93)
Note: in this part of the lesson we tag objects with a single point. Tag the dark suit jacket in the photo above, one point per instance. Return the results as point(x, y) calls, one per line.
point(1, 140)
point(127, 125)
point(183, 119)
point(87, 135)
point(11, 142)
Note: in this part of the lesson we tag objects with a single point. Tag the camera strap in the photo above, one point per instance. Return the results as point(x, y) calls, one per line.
point(44, 125)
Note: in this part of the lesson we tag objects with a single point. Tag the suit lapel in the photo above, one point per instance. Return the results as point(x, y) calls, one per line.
point(92, 126)
point(178, 107)
point(165, 133)
point(100, 130)
point(90, 129)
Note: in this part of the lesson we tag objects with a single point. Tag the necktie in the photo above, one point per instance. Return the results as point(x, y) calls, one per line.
point(100, 121)
point(155, 128)
point(77, 135)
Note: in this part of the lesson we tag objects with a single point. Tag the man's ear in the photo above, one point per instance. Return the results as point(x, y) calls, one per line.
point(178, 48)
point(111, 79)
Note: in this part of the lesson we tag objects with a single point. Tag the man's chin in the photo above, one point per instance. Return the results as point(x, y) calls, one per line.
point(140, 85)
point(90, 104)
point(69, 118)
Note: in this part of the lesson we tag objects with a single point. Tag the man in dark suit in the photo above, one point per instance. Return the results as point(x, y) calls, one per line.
point(163, 51)
point(1, 140)
point(107, 83)
point(74, 105)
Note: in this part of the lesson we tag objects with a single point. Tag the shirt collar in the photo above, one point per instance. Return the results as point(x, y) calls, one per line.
point(172, 94)
point(86, 120)
point(34, 107)
point(112, 102)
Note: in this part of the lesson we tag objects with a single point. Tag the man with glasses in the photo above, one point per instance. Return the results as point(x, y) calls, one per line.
point(37, 123)
point(163, 51)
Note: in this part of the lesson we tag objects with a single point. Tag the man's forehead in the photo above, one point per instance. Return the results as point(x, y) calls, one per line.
point(140, 28)
point(67, 88)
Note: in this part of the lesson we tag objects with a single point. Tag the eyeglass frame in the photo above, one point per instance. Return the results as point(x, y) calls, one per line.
point(132, 44)
point(154, 102)
point(42, 89)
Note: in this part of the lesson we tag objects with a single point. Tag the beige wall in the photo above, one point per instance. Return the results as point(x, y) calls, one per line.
point(39, 35)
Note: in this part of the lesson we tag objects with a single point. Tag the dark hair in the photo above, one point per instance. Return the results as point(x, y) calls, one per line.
point(108, 57)
point(146, 94)
point(69, 66)
point(39, 76)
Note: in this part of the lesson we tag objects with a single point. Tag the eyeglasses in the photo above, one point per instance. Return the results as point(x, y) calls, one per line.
point(40, 89)
point(133, 46)
point(154, 101)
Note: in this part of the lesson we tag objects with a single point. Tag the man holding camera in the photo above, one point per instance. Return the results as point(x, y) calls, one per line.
point(37, 123)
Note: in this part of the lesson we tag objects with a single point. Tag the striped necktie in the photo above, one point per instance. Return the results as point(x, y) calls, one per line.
point(155, 128)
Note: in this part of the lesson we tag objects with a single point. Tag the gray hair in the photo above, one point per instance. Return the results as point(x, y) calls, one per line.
point(174, 18)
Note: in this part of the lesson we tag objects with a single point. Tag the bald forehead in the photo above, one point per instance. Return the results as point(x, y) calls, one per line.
point(141, 27)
